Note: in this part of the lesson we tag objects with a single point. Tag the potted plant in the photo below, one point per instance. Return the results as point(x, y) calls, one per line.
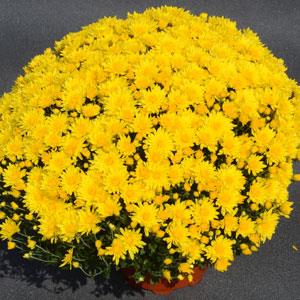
point(160, 145)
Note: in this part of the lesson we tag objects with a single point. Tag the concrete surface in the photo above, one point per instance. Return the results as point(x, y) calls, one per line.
point(27, 27)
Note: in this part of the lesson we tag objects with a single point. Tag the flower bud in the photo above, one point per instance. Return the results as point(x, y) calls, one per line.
point(31, 244)
point(167, 261)
point(98, 244)
point(11, 245)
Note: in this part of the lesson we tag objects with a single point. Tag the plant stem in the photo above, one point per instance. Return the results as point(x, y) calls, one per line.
point(44, 250)
point(84, 242)
point(87, 274)
point(46, 261)
point(18, 241)
point(79, 259)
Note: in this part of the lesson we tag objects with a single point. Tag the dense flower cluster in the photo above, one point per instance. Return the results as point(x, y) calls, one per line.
point(160, 141)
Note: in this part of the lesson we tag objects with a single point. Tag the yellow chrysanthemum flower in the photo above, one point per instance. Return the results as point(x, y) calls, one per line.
point(246, 226)
point(222, 264)
point(146, 215)
point(8, 228)
point(228, 199)
point(220, 248)
point(178, 234)
point(13, 177)
point(88, 222)
point(230, 224)
point(132, 239)
point(259, 192)
point(117, 249)
point(266, 225)
point(255, 164)
point(286, 208)
point(68, 259)
point(204, 211)
point(68, 223)
point(70, 179)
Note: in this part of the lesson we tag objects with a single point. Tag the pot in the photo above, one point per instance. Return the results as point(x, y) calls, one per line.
point(163, 287)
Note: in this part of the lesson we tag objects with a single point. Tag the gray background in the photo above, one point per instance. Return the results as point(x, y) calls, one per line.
point(28, 27)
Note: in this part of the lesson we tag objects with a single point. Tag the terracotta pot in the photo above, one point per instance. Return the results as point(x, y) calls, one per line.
point(163, 287)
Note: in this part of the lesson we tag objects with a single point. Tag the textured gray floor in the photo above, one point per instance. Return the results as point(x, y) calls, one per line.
point(27, 27)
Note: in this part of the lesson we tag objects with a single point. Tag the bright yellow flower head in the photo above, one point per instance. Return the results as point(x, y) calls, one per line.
point(132, 240)
point(286, 208)
point(8, 229)
point(204, 211)
point(222, 264)
point(68, 259)
point(246, 226)
point(68, 221)
point(255, 164)
point(13, 177)
point(266, 225)
point(117, 249)
point(230, 224)
point(88, 222)
point(220, 248)
point(146, 215)
point(177, 234)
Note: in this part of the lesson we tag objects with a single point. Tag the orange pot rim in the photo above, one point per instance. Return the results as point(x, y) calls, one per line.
point(163, 287)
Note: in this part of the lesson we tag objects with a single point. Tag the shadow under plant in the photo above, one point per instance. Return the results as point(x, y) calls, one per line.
point(12, 265)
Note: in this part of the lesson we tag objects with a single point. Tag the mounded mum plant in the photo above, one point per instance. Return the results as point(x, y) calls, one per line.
point(161, 142)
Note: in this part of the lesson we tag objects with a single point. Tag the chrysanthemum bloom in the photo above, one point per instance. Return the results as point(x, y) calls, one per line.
point(161, 141)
